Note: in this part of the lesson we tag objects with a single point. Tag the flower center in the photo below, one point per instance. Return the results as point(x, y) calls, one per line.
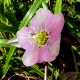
point(41, 37)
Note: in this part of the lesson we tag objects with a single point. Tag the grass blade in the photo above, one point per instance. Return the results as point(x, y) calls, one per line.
point(30, 13)
point(58, 6)
point(38, 71)
point(8, 58)
point(74, 28)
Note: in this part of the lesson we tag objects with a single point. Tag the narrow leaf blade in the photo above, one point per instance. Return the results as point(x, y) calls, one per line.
point(58, 6)
point(30, 13)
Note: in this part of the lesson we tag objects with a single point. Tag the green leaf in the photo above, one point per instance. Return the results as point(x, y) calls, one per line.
point(75, 48)
point(56, 74)
point(58, 6)
point(74, 28)
point(3, 43)
point(30, 13)
point(77, 0)
point(37, 70)
point(76, 15)
point(2, 10)
point(6, 3)
point(9, 13)
point(12, 19)
point(6, 28)
point(8, 58)
point(71, 1)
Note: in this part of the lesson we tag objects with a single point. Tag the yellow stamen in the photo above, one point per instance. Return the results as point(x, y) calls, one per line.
point(41, 37)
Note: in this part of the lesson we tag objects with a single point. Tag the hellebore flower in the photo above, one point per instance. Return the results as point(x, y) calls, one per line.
point(41, 39)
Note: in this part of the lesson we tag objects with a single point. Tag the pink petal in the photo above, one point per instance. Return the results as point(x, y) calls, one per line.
point(49, 51)
point(39, 20)
point(55, 23)
point(45, 20)
point(53, 37)
point(30, 57)
point(25, 39)
point(56, 29)
point(55, 47)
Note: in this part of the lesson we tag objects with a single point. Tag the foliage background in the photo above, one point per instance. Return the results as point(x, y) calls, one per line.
point(14, 14)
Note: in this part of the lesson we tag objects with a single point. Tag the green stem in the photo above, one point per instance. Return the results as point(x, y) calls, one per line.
point(44, 5)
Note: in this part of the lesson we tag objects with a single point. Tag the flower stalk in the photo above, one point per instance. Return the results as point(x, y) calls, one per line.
point(45, 70)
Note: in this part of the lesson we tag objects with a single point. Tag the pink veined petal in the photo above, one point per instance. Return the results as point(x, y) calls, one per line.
point(56, 29)
point(54, 23)
point(45, 20)
point(49, 52)
point(53, 37)
point(30, 57)
point(45, 55)
point(25, 39)
point(39, 20)
point(55, 47)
